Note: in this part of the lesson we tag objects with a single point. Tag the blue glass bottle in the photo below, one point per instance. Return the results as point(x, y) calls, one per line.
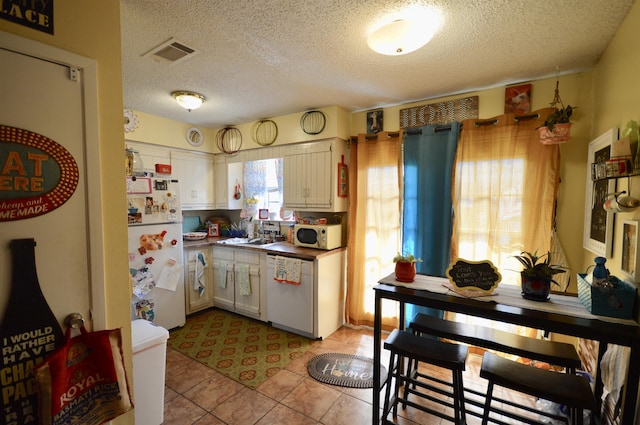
point(600, 272)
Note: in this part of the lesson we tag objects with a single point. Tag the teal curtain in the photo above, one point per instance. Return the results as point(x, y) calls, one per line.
point(428, 157)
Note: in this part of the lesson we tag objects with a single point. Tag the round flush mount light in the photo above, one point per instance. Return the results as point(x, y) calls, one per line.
point(188, 100)
point(405, 33)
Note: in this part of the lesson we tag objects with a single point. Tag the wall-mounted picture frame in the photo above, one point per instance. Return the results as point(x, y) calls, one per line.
point(343, 185)
point(517, 99)
point(598, 223)
point(630, 257)
point(214, 230)
point(374, 121)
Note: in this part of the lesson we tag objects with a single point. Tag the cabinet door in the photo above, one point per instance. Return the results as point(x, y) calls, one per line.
point(319, 179)
point(247, 282)
point(196, 175)
point(151, 155)
point(309, 177)
point(221, 190)
point(294, 181)
point(223, 283)
point(198, 284)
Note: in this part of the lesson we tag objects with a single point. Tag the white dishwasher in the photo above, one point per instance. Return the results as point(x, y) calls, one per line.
point(289, 306)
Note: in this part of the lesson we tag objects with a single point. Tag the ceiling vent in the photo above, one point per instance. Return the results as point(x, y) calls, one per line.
point(171, 51)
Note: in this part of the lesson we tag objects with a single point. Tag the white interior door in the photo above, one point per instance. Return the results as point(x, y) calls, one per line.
point(39, 96)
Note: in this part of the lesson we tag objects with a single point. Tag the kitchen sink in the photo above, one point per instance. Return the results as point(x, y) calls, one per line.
point(258, 241)
point(245, 241)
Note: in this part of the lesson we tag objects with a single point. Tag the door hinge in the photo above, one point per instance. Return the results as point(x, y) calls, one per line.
point(74, 74)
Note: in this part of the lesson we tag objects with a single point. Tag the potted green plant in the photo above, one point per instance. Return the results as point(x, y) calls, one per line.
point(557, 125)
point(537, 275)
point(406, 267)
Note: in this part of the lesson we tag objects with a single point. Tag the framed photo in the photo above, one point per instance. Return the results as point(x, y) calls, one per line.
point(263, 214)
point(374, 121)
point(598, 223)
point(630, 261)
point(214, 230)
point(517, 99)
point(343, 184)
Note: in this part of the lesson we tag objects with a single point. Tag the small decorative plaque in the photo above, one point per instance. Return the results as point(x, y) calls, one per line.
point(473, 276)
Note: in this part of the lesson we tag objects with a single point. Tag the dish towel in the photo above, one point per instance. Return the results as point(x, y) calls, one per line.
point(242, 274)
point(199, 282)
point(287, 270)
point(222, 275)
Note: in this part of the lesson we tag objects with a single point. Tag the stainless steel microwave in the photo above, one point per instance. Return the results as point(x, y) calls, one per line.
point(319, 236)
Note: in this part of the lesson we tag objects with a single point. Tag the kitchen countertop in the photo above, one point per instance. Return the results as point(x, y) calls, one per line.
point(276, 248)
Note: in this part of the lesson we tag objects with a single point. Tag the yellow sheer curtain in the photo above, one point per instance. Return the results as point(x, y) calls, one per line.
point(505, 186)
point(374, 238)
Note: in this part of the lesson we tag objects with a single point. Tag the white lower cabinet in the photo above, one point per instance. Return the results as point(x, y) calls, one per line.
point(199, 286)
point(236, 281)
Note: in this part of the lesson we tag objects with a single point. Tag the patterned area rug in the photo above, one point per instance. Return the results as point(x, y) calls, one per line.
point(344, 370)
point(245, 350)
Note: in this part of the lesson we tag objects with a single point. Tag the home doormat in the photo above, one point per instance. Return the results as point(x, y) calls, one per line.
point(245, 350)
point(344, 370)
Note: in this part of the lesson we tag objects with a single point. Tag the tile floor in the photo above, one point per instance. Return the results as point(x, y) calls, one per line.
point(195, 394)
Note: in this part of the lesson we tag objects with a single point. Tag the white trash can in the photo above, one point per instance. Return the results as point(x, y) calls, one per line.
point(149, 360)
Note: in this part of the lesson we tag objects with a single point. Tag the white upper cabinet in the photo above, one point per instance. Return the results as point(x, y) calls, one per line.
point(151, 155)
point(311, 176)
point(195, 171)
point(227, 177)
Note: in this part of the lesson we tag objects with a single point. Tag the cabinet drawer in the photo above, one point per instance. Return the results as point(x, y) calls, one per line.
point(223, 254)
point(247, 257)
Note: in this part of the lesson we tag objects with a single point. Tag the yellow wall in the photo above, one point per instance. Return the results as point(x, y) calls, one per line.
point(616, 88)
point(91, 28)
point(167, 132)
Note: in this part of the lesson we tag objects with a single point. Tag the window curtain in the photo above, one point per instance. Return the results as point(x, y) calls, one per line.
point(255, 185)
point(374, 224)
point(504, 193)
point(428, 154)
point(254, 176)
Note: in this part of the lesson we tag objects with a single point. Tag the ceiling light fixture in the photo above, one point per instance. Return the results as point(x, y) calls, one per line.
point(406, 33)
point(188, 99)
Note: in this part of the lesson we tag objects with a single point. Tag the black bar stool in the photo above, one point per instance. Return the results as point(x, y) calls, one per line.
point(441, 354)
point(570, 390)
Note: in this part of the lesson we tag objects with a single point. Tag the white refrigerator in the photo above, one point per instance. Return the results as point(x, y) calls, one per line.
point(155, 251)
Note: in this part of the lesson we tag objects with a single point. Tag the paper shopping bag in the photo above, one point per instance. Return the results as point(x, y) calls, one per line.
point(84, 381)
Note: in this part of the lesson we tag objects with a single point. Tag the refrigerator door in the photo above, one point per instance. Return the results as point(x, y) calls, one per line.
point(155, 264)
point(153, 200)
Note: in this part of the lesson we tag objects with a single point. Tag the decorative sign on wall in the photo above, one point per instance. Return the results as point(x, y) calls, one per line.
point(37, 175)
point(35, 14)
point(440, 113)
point(468, 277)
point(517, 99)
point(374, 121)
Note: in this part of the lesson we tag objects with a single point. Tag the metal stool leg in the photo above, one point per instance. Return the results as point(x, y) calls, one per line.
point(459, 402)
point(387, 394)
point(487, 404)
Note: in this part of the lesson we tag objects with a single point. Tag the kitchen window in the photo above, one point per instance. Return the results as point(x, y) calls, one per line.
point(263, 183)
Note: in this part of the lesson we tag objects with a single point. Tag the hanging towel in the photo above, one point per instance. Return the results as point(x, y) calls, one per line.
point(222, 275)
point(242, 274)
point(198, 281)
point(287, 270)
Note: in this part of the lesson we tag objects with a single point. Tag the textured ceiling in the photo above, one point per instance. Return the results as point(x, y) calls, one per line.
point(264, 58)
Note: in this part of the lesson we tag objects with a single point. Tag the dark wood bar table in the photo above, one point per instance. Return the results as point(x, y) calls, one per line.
point(563, 314)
